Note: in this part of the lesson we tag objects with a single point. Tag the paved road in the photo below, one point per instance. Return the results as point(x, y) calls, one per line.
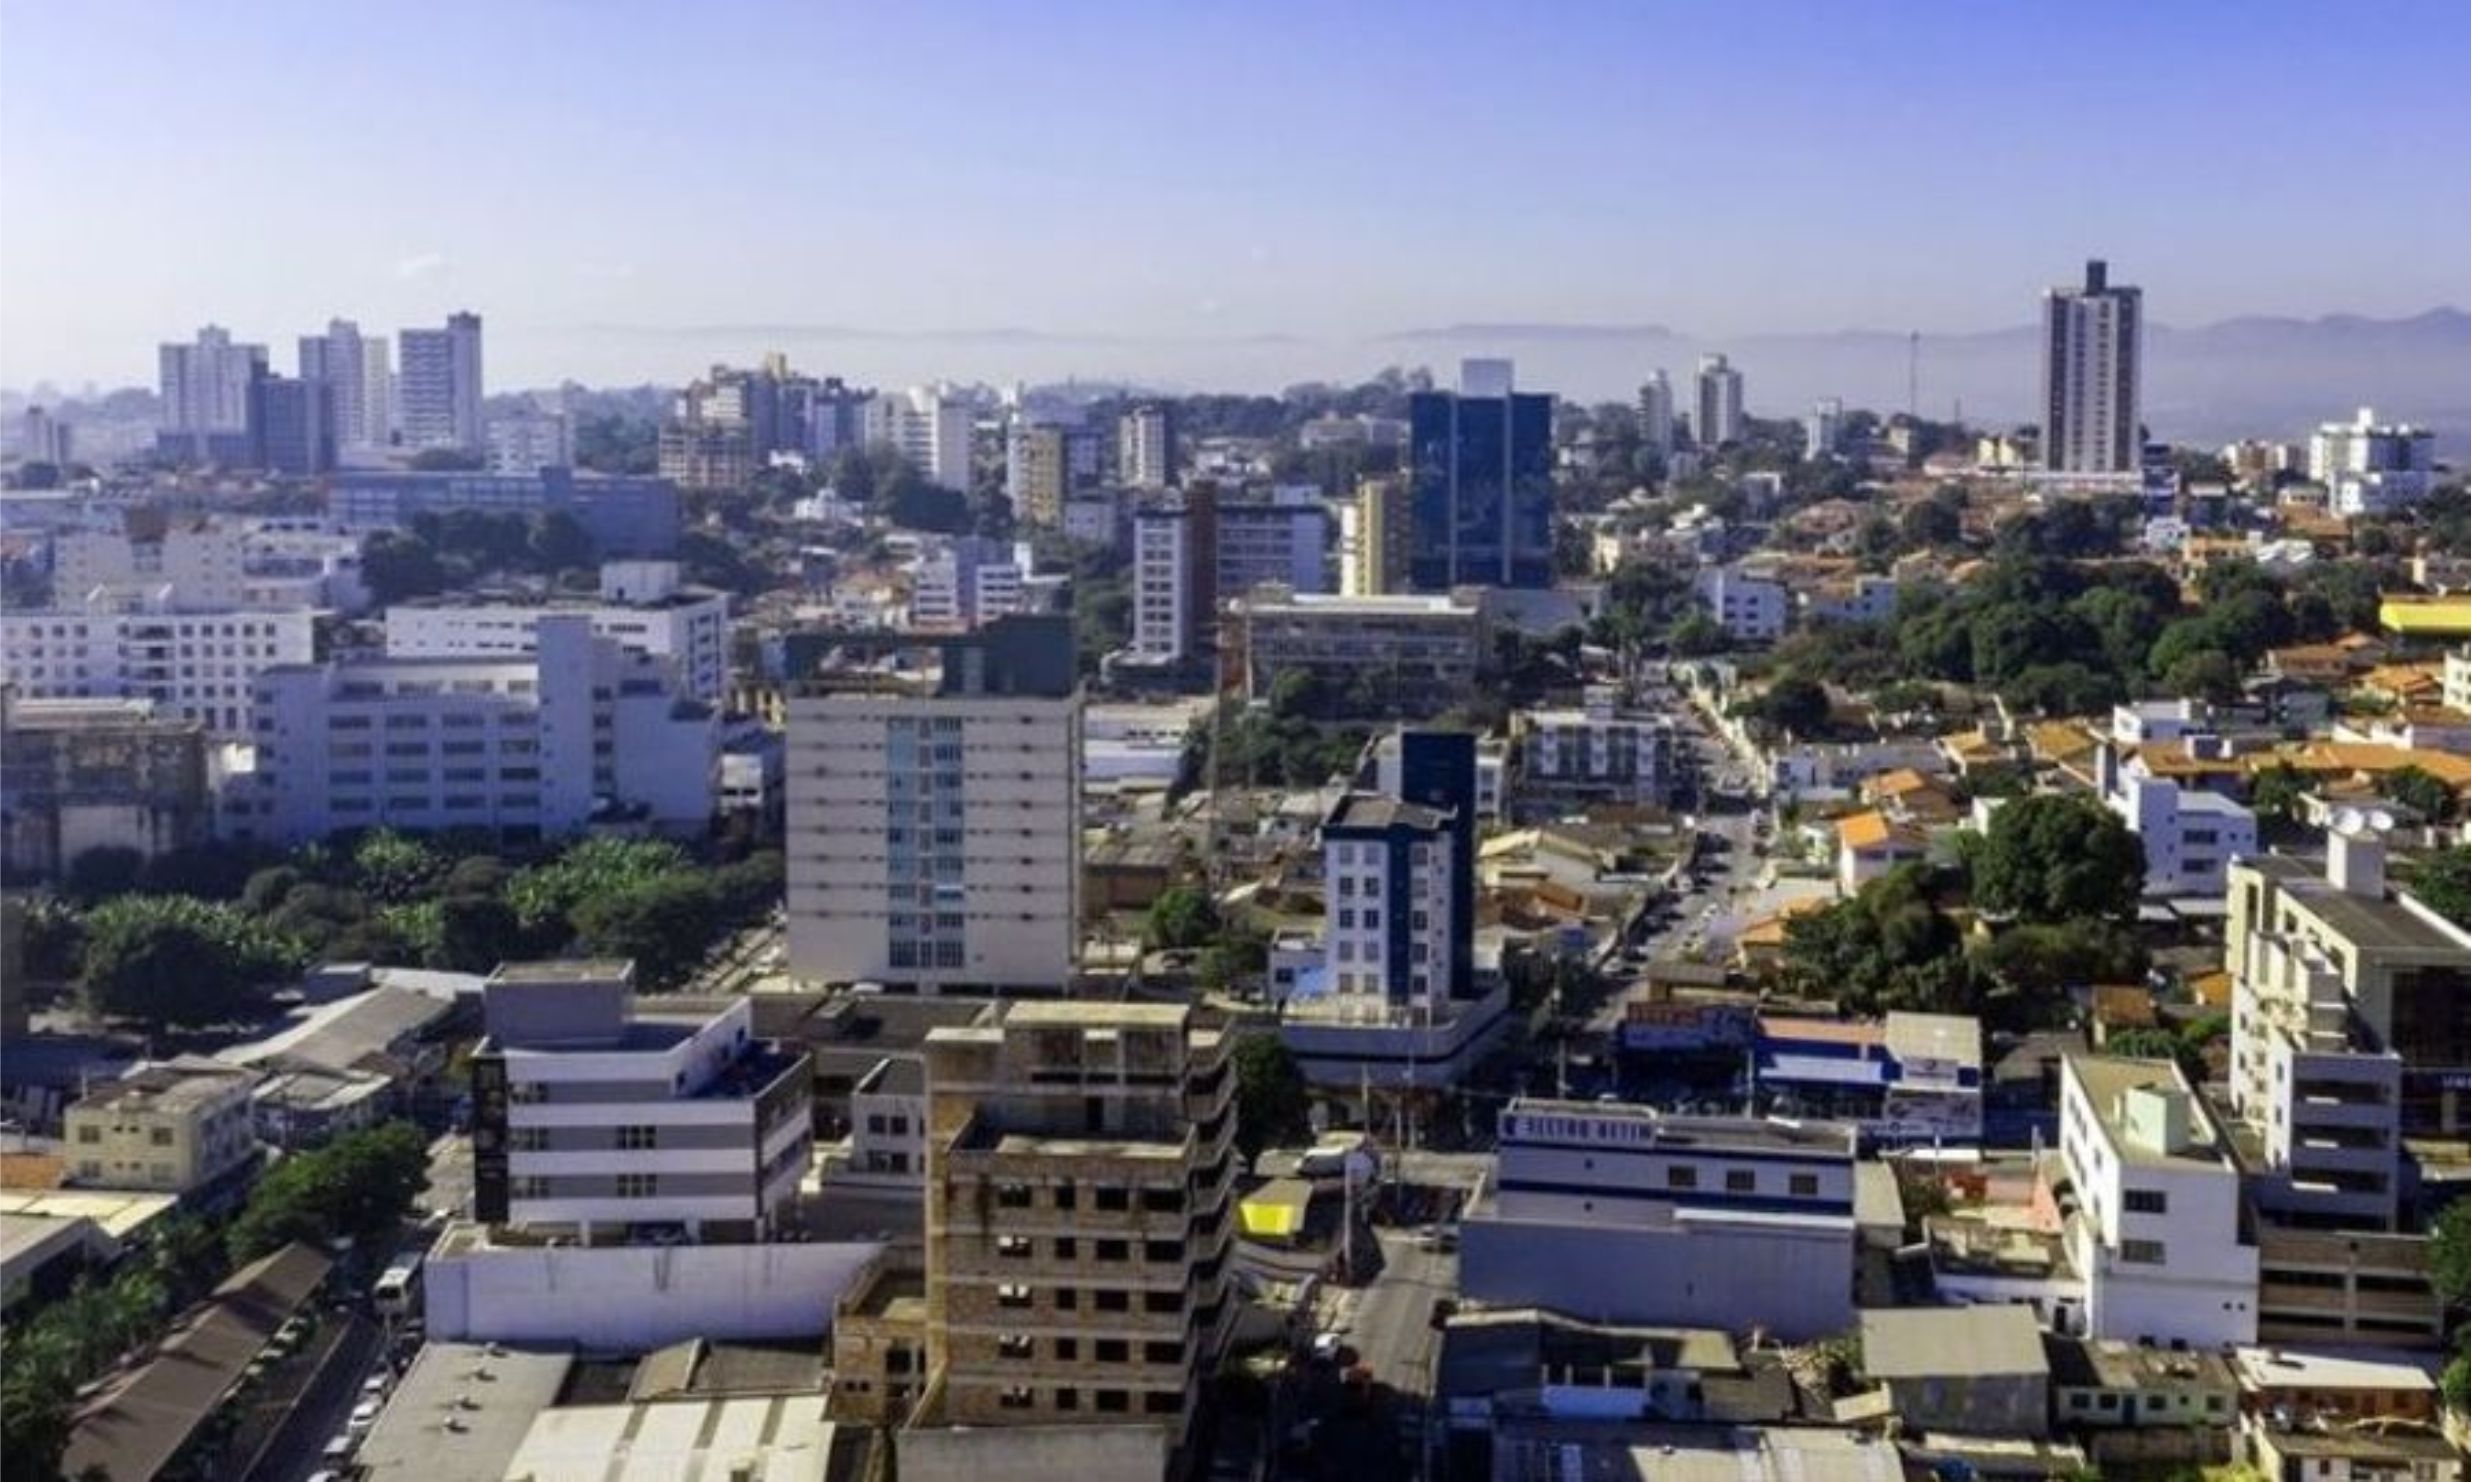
point(450, 1176)
point(297, 1451)
point(1392, 1330)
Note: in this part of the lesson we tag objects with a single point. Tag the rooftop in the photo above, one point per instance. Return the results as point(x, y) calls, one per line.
point(175, 1086)
point(2381, 925)
point(1938, 1342)
point(778, 1438)
point(1328, 604)
point(1377, 811)
point(581, 970)
point(1957, 1037)
point(2111, 1363)
point(2109, 1079)
point(459, 1413)
point(2333, 1368)
point(1711, 1134)
point(1042, 1013)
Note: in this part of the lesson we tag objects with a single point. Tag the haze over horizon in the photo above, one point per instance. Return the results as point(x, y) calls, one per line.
point(1223, 200)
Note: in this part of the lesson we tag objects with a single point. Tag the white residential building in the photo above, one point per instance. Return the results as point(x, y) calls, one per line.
point(165, 1128)
point(439, 387)
point(2369, 467)
point(2092, 350)
point(528, 441)
point(969, 580)
point(202, 562)
point(2152, 1207)
point(2347, 1027)
point(934, 833)
point(643, 607)
point(888, 1125)
point(1863, 598)
point(534, 745)
point(1146, 447)
point(592, 1114)
point(205, 386)
point(2190, 836)
point(1595, 752)
point(1751, 603)
point(1166, 616)
point(929, 426)
point(196, 664)
point(1388, 880)
point(357, 375)
point(1719, 417)
point(1826, 428)
point(1656, 414)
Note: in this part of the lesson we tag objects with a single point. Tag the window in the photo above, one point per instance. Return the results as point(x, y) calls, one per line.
point(1068, 1350)
point(1681, 1176)
point(638, 1138)
point(1014, 1246)
point(1110, 1301)
point(1162, 1402)
point(1111, 1350)
point(1067, 1248)
point(1014, 1345)
point(1064, 1196)
point(638, 1185)
point(1015, 1397)
point(1013, 1196)
point(530, 1139)
point(2142, 1252)
point(1013, 1294)
point(1803, 1185)
point(2142, 1201)
point(1741, 1181)
point(1115, 1250)
point(1113, 1401)
point(531, 1186)
point(1115, 1197)
point(1163, 1351)
point(90, 1133)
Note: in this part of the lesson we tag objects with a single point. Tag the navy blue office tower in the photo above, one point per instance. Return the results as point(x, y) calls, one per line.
point(1480, 490)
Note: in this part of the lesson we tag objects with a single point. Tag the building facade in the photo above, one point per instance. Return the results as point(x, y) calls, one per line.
point(205, 391)
point(1628, 1215)
point(591, 1114)
point(2151, 1206)
point(530, 440)
point(934, 834)
point(537, 746)
point(2370, 467)
point(166, 1128)
point(1656, 414)
point(200, 665)
point(1146, 447)
point(357, 374)
point(439, 387)
point(97, 774)
point(1717, 419)
point(1595, 752)
point(1480, 484)
point(1080, 1177)
point(1394, 651)
point(2093, 342)
point(625, 516)
point(643, 607)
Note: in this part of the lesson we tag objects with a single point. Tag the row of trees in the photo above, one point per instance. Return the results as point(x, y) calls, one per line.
point(208, 955)
point(357, 1188)
point(447, 552)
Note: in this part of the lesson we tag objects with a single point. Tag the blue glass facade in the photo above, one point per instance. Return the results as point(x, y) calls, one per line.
point(1480, 491)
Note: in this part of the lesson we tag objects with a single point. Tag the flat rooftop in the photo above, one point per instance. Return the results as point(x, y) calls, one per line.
point(775, 1438)
point(491, 1393)
point(1069, 1013)
point(580, 970)
point(1943, 1342)
point(2381, 925)
point(177, 1086)
point(1373, 810)
point(2108, 1079)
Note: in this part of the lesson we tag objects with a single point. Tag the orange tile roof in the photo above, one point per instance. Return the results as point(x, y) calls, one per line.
point(2123, 1006)
point(1865, 830)
point(2367, 756)
point(1898, 783)
point(2213, 989)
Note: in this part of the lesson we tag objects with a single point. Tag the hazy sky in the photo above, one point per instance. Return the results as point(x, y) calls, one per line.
point(1174, 173)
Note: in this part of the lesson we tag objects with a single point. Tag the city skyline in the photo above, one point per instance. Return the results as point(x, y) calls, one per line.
point(1279, 223)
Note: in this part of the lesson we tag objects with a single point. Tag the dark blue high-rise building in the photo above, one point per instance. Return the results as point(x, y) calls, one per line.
point(1480, 483)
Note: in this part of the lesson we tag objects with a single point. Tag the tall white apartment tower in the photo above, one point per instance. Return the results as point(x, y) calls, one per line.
point(440, 385)
point(2091, 375)
point(1719, 418)
point(935, 808)
point(1656, 413)
point(205, 385)
point(354, 369)
point(1146, 447)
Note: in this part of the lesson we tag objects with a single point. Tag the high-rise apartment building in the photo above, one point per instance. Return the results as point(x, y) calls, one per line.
point(1080, 1175)
point(355, 370)
point(934, 834)
point(1175, 576)
point(291, 425)
point(1044, 464)
point(1826, 428)
point(591, 1114)
point(1383, 538)
point(2092, 338)
point(1717, 420)
point(2370, 467)
point(527, 441)
point(44, 438)
point(439, 385)
point(205, 390)
point(1656, 414)
point(1480, 483)
point(1146, 447)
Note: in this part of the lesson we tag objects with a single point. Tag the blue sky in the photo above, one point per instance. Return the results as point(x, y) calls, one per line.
point(587, 174)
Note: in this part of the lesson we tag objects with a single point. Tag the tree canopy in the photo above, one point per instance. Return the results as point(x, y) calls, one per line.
point(1270, 1093)
point(172, 960)
point(2052, 858)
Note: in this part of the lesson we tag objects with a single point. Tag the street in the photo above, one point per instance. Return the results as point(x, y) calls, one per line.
point(1392, 1329)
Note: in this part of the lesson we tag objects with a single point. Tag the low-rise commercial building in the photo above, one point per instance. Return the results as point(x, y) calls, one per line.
point(1909, 1078)
point(1594, 753)
point(1627, 1215)
point(1375, 654)
point(624, 515)
point(591, 1114)
point(171, 1127)
point(643, 606)
point(1976, 1371)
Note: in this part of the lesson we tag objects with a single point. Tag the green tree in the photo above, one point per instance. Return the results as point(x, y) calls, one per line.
point(476, 933)
point(666, 925)
point(2443, 882)
point(2043, 961)
point(546, 895)
point(1795, 705)
point(358, 1186)
point(2056, 858)
point(2421, 792)
point(2277, 792)
point(1271, 1094)
point(2144, 1044)
point(171, 960)
point(1183, 916)
point(2208, 674)
point(2450, 1253)
point(397, 566)
point(1890, 946)
point(560, 542)
point(391, 867)
point(268, 888)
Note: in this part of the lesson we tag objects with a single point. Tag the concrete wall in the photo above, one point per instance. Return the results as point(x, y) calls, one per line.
point(1797, 1284)
point(631, 1298)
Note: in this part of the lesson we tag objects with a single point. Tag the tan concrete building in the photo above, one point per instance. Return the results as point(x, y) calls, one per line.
point(164, 1128)
point(1080, 1173)
point(98, 773)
